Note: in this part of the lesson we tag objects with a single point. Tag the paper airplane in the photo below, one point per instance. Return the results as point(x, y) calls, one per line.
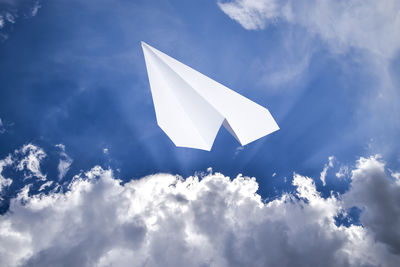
point(190, 107)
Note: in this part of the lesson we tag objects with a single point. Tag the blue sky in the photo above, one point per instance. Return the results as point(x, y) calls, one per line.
point(73, 73)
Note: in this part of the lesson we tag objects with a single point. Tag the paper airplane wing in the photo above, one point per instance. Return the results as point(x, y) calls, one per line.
point(190, 107)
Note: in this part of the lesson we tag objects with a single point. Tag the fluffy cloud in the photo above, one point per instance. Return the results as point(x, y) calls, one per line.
point(371, 25)
point(165, 220)
point(378, 196)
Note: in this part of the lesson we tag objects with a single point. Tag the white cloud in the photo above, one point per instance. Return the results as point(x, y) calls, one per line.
point(10, 18)
point(252, 14)
point(326, 168)
point(35, 9)
point(165, 220)
point(396, 175)
point(4, 182)
point(32, 156)
point(2, 127)
point(343, 171)
point(11, 10)
point(366, 31)
point(45, 185)
point(378, 196)
point(27, 161)
point(64, 163)
point(371, 25)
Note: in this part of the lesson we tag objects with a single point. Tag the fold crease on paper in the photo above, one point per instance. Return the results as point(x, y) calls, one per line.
point(190, 107)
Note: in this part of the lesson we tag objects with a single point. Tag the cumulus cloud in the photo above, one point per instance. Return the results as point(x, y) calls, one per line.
point(379, 197)
point(165, 220)
point(64, 163)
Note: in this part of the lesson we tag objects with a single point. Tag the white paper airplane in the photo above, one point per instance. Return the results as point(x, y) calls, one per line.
point(190, 107)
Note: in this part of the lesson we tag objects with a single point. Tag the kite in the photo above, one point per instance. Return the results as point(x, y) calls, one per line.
point(190, 107)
